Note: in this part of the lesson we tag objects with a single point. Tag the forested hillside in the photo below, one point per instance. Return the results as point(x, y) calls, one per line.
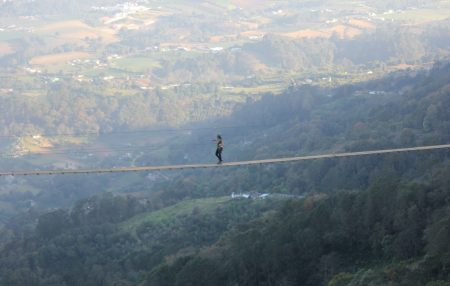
point(391, 233)
point(385, 220)
point(379, 220)
point(401, 110)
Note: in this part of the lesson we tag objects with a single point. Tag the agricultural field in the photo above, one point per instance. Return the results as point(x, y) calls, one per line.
point(418, 17)
point(340, 30)
point(6, 49)
point(76, 30)
point(275, 88)
point(166, 215)
point(53, 59)
point(7, 36)
point(139, 64)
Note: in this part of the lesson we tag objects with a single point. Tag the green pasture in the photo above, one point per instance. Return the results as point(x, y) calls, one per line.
point(111, 91)
point(420, 15)
point(259, 89)
point(167, 215)
point(61, 68)
point(6, 36)
point(136, 64)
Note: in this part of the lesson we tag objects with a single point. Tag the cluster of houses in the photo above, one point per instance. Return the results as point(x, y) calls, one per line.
point(256, 195)
point(122, 9)
point(15, 28)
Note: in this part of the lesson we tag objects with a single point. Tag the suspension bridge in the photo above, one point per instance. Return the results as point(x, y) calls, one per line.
point(227, 164)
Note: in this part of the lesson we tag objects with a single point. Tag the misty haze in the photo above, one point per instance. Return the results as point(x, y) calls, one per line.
point(226, 142)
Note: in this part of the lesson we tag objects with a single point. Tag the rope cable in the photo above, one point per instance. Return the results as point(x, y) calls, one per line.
point(230, 164)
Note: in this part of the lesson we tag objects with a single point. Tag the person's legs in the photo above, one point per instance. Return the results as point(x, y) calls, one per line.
point(219, 154)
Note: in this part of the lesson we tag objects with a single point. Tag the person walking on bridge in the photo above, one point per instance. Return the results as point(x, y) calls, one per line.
point(219, 149)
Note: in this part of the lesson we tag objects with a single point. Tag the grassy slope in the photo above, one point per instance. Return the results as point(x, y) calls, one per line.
point(165, 215)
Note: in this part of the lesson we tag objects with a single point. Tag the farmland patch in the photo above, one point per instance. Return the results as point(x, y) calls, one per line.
point(71, 31)
point(59, 58)
point(343, 31)
point(5, 49)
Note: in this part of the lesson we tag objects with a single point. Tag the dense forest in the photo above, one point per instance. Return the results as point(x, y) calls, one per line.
point(388, 234)
point(69, 108)
point(381, 220)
